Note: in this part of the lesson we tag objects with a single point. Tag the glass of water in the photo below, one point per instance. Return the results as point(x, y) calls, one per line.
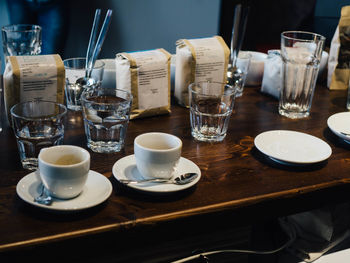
point(106, 115)
point(37, 124)
point(21, 39)
point(211, 105)
point(301, 55)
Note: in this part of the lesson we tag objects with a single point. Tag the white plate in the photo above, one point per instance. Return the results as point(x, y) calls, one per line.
point(96, 190)
point(125, 168)
point(338, 123)
point(293, 147)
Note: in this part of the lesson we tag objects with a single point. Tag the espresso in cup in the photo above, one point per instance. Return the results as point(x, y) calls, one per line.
point(64, 170)
point(157, 154)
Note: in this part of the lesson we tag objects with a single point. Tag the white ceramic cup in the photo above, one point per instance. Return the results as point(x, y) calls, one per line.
point(64, 170)
point(157, 154)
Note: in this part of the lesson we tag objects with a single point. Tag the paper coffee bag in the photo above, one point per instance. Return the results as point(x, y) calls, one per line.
point(33, 77)
point(339, 56)
point(146, 74)
point(202, 59)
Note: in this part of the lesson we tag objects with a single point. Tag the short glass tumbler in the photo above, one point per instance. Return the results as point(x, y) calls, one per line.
point(21, 39)
point(211, 105)
point(106, 115)
point(75, 69)
point(301, 55)
point(37, 124)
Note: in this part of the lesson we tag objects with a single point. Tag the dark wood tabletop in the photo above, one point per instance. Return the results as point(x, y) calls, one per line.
point(239, 185)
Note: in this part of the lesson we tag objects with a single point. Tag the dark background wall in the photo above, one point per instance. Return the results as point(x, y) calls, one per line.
point(147, 24)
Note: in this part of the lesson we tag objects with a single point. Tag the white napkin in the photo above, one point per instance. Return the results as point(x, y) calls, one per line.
point(272, 78)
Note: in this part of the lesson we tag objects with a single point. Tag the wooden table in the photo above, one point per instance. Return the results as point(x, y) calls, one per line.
point(239, 187)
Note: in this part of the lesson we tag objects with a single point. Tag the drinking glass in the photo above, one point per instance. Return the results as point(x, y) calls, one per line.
point(106, 115)
point(211, 105)
point(241, 72)
point(21, 39)
point(75, 69)
point(37, 124)
point(301, 55)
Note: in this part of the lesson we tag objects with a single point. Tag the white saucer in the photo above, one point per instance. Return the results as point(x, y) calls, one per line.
point(292, 147)
point(96, 190)
point(125, 168)
point(338, 123)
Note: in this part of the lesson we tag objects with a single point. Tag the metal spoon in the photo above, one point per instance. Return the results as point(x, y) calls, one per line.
point(44, 198)
point(91, 57)
point(180, 180)
point(234, 74)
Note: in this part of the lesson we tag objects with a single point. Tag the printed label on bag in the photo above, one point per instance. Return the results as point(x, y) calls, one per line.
point(37, 82)
point(210, 59)
point(152, 79)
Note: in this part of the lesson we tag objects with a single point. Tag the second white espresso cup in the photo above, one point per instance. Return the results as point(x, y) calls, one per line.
point(157, 154)
point(64, 170)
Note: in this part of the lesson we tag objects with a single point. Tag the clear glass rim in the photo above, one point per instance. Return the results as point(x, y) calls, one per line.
point(28, 28)
point(80, 59)
point(285, 35)
point(232, 90)
point(128, 98)
point(62, 108)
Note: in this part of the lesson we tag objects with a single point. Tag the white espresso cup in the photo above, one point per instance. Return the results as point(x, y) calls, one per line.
point(64, 170)
point(157, 154)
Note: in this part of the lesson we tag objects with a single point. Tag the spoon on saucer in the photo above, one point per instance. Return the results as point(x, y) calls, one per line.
point(180, 180)
point(43, 198)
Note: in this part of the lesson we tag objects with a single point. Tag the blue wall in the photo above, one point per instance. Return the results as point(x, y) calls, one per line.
point(143, 24)
point(137, 24)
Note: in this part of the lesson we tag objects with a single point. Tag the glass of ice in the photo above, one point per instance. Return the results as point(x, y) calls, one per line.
point(106, 115)
point(37, 124)
point(301, 55)
point(211, 105)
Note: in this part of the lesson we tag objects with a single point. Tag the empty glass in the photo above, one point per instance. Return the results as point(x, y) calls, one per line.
point(211, 105)
point(37, 124)
point(301, 55)
point(21, 39)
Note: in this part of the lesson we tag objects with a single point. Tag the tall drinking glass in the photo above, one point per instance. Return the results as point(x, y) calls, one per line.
point(301, 55)
point(21, 39)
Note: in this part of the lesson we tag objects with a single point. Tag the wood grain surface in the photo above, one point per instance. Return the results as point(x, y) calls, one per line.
point(239, 185)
